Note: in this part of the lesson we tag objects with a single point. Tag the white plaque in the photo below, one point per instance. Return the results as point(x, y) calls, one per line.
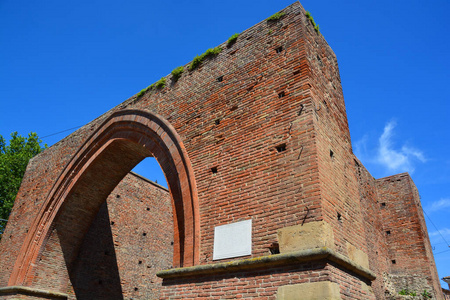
point(233, 240)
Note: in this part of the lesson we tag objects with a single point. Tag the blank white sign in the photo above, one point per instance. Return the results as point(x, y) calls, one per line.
point(233, 240)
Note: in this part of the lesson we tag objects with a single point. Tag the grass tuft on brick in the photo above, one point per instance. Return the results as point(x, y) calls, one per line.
point(232, 39)
point(200, 58)
point(176, 73)
point(310, 18)
point(157, 85)
point(276, 16)
point(160, 83)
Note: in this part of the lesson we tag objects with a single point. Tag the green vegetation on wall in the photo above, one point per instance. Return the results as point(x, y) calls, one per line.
point(160, 83)
point(199, 58)
point(176, 73)
point(275, 16)
point(157, 85)
point(316, 26)
point(232, 39)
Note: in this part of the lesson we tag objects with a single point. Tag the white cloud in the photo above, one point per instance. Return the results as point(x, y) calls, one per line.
point(360, 148)
point(439, 205)
point(385, 155)
point(396, 160)
point(445, 232)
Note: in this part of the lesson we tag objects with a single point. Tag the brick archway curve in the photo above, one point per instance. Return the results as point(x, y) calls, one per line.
point(145, 134)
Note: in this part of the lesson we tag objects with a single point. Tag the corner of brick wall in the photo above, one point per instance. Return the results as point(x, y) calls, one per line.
point(409, 248)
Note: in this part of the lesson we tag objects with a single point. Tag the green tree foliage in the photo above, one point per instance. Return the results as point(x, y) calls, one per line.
point(14, 158)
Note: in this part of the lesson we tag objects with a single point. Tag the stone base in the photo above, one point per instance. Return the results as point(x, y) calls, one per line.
point(324, 290)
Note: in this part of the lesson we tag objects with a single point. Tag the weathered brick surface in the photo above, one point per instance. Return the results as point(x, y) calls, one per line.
point(377, 249)
point(338, 184)
point(352, 286)
point(409, 248)
point(259, 284)
point(128, 242)
point(276, 131)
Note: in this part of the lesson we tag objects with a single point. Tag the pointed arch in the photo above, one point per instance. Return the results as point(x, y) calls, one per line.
point(120, 142)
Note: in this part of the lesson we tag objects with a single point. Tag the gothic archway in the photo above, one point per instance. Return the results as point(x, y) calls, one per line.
point(121, 142)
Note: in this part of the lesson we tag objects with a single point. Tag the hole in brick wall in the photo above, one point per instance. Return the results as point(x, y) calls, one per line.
point(171, 243)
point(279, 49)
point(249, 38)
point(140, 262)
point(301, 109)
point(217, 121)
point(319, 59)
point(233, 108)
point(388, 232)
point(393, 262)
point(220, 78)
point(274, 248)
point(281, 148)
point(144, 234)
point(112, 222)
point(214, 170)
point(281, 94)
point(148, 208)
point(331, 154)
point(296, 72)
point(339, 217)
point(383, 204)
point(135, 289)
point(117, 196)
point(326, 105)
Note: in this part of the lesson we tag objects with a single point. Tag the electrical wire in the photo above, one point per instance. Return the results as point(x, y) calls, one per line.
point(437, 230)
point(442, 252)
point(61, 132)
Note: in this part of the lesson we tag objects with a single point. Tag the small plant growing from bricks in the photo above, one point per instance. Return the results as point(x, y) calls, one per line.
point(200, 58)
point(310, 18)
point(157, 85)
point(142, 92)
point(160, 83)
point(426, 295)
point(176, 73)
point(275, 16)
point(403, 292)
point(406, 292)
point(232, 39)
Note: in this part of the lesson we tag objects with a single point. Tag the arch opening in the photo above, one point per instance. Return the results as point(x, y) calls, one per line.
point(120, 143)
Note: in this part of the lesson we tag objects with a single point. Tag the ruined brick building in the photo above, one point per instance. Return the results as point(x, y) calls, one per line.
point(266, 199)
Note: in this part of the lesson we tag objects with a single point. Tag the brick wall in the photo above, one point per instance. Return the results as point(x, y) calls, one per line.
point(377, 249)
point(128, 242)
point(338, 183)
point(409, 248)
point(259, 284)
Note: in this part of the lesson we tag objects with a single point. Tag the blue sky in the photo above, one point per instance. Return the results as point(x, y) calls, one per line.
point(64, 63)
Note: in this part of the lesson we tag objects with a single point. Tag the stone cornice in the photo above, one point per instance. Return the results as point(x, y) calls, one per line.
point(316, 254)
point(30, 291)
